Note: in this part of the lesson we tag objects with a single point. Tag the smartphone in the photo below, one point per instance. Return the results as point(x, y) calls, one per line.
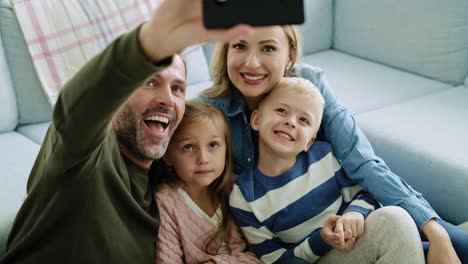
point(218, 14)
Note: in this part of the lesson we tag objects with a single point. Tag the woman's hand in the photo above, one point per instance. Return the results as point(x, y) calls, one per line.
point(440, 247)
point(177, 24)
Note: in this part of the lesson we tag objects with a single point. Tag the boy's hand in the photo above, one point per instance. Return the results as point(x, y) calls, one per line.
point(333, 238)
point(351, 224)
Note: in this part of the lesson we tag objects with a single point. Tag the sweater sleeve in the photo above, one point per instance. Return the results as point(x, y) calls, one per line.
point(238, 250)
point(364, 203)
point(89, 100)
point(168, 246)
point(267, 245)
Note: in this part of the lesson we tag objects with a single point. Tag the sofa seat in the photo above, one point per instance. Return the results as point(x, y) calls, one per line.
point(35, 132)
point(438, 155)
point(16, 162)
point(362, 85)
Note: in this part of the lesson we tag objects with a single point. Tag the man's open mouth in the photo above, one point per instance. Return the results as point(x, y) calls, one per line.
point(156, 123)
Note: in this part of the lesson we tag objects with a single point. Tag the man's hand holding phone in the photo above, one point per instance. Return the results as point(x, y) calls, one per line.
point(227, 13)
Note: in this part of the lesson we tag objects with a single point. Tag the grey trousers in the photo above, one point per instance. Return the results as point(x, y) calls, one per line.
point(390, 236)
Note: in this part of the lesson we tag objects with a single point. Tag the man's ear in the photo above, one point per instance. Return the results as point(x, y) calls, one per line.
point(309, 144)
point(255, 119)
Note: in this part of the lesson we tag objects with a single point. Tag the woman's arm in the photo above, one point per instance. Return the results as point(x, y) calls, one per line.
point(357, 157)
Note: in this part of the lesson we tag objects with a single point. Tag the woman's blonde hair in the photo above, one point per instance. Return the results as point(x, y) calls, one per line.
point(218, 66)
point(196, 112)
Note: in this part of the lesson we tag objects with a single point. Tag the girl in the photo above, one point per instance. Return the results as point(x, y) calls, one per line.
point(245, 69)
point(196, 225)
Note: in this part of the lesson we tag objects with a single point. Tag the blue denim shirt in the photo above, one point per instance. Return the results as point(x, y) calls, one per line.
point(350, 147)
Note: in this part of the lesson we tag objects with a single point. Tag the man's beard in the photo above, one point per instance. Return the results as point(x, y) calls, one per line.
point(129, 135)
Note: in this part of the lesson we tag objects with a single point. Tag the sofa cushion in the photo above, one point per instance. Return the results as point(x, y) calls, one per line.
point(364, 86)
point(196, 65)
point(317, 30)
point(424, 141)
point(16, 162)
point(428, 37)
point(32, 102)
point(193, 90)
point(35, 132)
point(8, 109)
point(464, 226)
point(208, 48)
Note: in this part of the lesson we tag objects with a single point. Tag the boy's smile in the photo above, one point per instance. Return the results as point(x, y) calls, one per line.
point(287, 122)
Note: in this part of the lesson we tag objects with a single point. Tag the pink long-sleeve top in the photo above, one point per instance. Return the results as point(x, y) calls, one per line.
point(184, 228)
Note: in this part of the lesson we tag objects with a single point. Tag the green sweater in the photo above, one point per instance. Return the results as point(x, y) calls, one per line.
point(86, 202)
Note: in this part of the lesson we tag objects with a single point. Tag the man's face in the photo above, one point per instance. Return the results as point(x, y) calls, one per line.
point(149, 117)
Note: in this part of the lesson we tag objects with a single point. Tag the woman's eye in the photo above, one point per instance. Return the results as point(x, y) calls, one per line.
point(214, 145)
point(187, 148)
point(268, 49)
point(238, 46)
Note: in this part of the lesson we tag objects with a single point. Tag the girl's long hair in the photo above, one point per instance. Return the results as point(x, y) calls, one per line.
point(221, 187)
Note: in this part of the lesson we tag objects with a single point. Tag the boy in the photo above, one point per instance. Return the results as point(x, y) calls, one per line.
point(297, 202)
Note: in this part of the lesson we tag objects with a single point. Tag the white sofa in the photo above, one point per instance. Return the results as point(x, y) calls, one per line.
point(400, 67)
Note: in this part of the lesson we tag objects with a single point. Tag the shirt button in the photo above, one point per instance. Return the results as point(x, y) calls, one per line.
point(249, 159)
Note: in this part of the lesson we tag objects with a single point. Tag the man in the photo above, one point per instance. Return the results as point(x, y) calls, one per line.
point(89, 195)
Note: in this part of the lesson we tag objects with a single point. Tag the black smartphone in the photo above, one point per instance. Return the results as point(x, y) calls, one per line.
point(219, 14)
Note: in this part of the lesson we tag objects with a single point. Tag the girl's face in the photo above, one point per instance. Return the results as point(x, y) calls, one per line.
point(198, 153)
point(257, 62)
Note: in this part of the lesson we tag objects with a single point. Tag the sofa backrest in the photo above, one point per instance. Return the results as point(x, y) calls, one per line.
point(427, 37)
point(197, 68)
point(317, 31)
point(8, 109)
point(33, 106)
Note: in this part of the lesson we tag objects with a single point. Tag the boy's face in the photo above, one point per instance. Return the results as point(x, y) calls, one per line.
point(287, 122)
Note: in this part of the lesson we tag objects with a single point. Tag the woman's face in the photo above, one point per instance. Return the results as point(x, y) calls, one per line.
point(257, 62)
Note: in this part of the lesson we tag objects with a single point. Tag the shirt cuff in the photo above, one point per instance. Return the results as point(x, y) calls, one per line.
point(420, 211)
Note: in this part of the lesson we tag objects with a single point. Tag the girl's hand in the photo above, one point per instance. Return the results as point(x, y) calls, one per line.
point(177, 24)
point(333, 238)
point(350, 225)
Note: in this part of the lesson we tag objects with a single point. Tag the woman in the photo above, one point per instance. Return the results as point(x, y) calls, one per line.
point(245, 69)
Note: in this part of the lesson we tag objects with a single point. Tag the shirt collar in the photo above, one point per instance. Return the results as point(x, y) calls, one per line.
point(238, 104)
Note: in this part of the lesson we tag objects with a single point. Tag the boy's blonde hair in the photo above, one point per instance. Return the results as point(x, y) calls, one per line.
point(220, 188)
point(301, 86)
point(218, 67)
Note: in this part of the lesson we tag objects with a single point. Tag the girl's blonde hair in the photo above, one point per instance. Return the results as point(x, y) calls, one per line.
point(218, 66)
point(220, 188)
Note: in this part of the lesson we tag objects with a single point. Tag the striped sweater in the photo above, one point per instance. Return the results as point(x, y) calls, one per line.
point(282, 216)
